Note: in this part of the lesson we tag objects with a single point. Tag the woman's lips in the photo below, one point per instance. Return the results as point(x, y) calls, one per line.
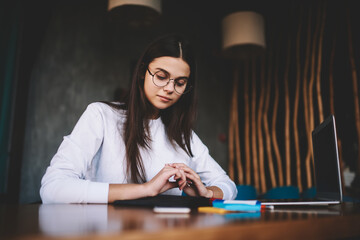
point(164, 99)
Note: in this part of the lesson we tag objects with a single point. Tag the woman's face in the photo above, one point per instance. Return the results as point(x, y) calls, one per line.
point(167, 67)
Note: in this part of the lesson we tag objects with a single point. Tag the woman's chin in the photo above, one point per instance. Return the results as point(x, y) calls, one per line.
point(162, 106)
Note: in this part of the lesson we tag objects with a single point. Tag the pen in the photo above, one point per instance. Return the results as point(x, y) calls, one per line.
point(267, 207)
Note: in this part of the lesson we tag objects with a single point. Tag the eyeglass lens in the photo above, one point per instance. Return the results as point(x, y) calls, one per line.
point(161, 79)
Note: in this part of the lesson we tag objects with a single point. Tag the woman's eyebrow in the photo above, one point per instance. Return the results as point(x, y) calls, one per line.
point(181, 77)
point(161, 69)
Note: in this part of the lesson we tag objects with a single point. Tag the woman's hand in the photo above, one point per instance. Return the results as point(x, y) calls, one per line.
point(160, 183)
point(194, 185)
point(185, 178)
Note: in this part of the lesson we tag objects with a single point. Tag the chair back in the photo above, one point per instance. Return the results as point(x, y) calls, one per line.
point(284, 192)
point(246, 192)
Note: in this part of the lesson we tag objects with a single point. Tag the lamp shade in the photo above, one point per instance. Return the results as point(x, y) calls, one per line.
point(153, 4)
point(243, 34)
point(134, 13)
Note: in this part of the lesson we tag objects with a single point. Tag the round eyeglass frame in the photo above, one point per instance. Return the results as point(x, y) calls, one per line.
point(187, 88)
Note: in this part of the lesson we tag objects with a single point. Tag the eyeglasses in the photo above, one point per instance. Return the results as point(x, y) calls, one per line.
point(162, 78)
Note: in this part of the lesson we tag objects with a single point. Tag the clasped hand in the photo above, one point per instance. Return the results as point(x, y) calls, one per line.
point(184, 177)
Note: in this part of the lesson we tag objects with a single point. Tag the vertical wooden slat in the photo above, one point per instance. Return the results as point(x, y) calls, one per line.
point(273, 123)
point(296, 105)
point(240, 170)
point(305, 98)
point(234, 137)
point(265, 121)
point(309, 160)
point(231, 140)
point(319, 63)
point(253, 125)
point(247, 124)
point(259, 128)
point(287, 116)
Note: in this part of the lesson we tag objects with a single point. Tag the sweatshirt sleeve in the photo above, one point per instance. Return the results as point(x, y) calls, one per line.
point(210, 171)
point(64, 180)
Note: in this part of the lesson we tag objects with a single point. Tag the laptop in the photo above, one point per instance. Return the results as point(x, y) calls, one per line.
point(326, 169)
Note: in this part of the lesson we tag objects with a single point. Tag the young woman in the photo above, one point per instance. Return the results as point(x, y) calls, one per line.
point(143, 146)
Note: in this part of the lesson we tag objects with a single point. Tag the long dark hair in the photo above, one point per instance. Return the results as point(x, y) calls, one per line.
point(178, 119)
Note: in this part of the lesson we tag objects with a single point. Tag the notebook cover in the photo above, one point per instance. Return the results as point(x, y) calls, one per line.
point(166, 201)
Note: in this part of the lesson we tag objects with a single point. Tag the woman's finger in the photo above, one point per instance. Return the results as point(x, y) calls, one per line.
point(195, 180)
point(168, 185)
point(186, 171)
point(183, 167)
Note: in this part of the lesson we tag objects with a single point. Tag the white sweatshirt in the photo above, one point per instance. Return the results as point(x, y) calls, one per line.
point(93, 156)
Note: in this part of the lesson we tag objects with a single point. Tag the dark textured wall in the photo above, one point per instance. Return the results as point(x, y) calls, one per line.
point(83, 59)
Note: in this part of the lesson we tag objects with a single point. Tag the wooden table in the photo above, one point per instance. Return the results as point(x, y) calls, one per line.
point(95, 221)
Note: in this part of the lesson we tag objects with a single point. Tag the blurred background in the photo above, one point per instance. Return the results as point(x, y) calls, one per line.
point(56, 57)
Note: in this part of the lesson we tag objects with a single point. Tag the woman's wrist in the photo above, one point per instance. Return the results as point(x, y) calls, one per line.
point(148, 190)
point(210, 193)
point(128, 191)
point(216, 192)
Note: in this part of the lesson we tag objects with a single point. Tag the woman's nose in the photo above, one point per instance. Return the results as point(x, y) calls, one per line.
point(170, 86)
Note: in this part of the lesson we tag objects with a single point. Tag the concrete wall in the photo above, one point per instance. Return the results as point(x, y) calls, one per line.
point(82, 61)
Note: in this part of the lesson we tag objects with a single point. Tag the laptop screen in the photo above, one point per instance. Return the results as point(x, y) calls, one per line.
point(326, 160)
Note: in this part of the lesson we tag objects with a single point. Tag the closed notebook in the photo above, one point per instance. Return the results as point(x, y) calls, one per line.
point(166, 201)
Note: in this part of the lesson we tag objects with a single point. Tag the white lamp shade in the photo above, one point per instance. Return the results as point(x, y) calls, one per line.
point(134, 14)
point(154, 4)
point(243, 30)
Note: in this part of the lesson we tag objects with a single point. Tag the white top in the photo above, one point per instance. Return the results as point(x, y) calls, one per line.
point(93, 156)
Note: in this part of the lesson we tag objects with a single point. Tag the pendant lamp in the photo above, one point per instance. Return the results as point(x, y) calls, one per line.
point(134, 13)
point(243, 34)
